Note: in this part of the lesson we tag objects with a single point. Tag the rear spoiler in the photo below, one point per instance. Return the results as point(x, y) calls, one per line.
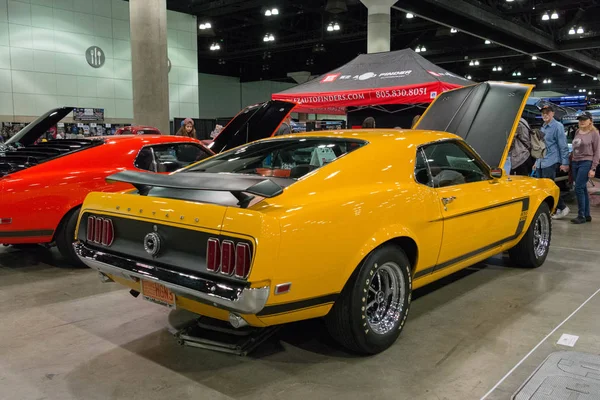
point(238, 185)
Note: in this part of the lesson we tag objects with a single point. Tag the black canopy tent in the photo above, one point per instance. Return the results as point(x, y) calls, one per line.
point(376, 80)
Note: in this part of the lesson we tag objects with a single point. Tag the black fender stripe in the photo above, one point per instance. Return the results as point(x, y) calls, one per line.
point(23, 234)
point(298, 305)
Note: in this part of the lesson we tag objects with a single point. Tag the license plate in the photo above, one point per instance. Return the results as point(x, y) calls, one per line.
point(157, 293)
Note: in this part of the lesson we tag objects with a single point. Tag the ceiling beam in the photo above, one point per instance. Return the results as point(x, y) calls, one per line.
point(506, 33)
point(223, 7)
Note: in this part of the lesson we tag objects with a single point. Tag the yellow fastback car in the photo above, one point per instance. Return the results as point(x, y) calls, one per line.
point(341, 225)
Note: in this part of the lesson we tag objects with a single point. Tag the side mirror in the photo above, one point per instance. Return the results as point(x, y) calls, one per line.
point(497, 173)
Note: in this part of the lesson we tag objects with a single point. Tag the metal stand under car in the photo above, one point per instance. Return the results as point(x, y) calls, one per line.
point(212, 334)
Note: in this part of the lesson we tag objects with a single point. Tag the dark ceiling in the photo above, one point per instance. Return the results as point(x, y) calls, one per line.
point(302, 43)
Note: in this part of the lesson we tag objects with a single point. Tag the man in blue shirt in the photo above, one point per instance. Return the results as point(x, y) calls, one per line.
point(557, 155)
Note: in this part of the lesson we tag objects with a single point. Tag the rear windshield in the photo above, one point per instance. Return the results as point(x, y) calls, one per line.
point(282, 158)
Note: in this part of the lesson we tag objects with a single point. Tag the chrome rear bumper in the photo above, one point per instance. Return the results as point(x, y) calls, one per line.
point(231, 297)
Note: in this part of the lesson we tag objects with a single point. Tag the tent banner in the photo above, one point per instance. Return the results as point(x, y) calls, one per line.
point(420, 93)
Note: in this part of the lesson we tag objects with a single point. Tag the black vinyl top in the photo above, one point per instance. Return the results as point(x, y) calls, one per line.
point(484, 115)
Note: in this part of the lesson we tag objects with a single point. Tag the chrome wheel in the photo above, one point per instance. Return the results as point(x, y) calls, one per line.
point(385, 299)
point(541, 235)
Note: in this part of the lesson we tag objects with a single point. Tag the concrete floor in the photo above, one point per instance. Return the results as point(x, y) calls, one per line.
point(64, 335)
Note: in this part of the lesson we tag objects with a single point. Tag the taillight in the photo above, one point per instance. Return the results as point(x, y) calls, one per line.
point(213, 255)
point(108, 233)
point(227, 257)
point(242, 260)
point(100, 231)
point(90, 228)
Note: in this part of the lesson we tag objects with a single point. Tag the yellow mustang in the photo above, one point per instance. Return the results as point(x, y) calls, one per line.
point(341, 225)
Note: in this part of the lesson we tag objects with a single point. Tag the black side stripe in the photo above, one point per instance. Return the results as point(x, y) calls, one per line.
point(507, 203)
point(449, 263)
point(298, 305)
point(9, 234)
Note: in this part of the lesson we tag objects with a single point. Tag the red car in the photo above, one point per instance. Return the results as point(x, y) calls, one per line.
point(42, 185)
point(138, 130)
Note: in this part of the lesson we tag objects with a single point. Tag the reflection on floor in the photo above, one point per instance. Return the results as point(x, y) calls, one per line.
point(64, 335)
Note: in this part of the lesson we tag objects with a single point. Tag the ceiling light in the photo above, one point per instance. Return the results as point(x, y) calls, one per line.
point(329, 28)
point(534, 57)
point(268, 13)
point(590, 93)
point(572, 31)
point(215, 46)
point(469, 77)
point(275, 11)
point(453, 30)
point(509, 1)
point(514, 74)
point(471, 63)
point(423, 49)
point(554, 15)
point(410, 15)
point(553, 65)
point(418, 50)
point(336, 27)
point(494, 69)
point(545, 17)
point(205, 25)
point(271, 37)
point(580, 31)
point(476, 62)
point(518, 74)
point(595, 79)
point(570, 70)
point(500, 68)
point(582, 74)
point(488, 42)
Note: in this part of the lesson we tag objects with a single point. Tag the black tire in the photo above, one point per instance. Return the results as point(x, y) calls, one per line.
point(349, 322)
point(524, 254)
point(65, 236)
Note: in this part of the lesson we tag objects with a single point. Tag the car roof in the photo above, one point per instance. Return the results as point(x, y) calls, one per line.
point(380, 135)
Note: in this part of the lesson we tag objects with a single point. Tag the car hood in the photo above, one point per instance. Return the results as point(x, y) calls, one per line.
point(485, 115)
point(33, 131)
point(255, 122)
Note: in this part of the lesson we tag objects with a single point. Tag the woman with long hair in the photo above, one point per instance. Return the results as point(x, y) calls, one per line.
point(586, 154)
point(187, 129)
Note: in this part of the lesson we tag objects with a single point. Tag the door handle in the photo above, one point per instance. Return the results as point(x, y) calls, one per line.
point(446, 201)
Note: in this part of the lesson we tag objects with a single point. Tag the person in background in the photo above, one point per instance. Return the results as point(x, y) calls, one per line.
point(557, 155)
point(187, 129)
point(520, 150)
point(369, 123)
point(286, 127)
point(414, 121)
point(586, 154)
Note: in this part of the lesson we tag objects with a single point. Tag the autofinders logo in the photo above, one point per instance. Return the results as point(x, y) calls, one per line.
point(95, 57)
point(330, 78)
point(367, 76)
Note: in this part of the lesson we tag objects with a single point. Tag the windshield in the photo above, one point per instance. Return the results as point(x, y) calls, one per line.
point(282, 158)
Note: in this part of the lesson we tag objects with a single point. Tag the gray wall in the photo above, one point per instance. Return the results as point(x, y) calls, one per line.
point(222, 96)
point(43, 64)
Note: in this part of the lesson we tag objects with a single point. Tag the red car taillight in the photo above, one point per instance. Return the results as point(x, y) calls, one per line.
point(100, 231)
point(229, 258)
point(213, 255)
point(242, 260)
